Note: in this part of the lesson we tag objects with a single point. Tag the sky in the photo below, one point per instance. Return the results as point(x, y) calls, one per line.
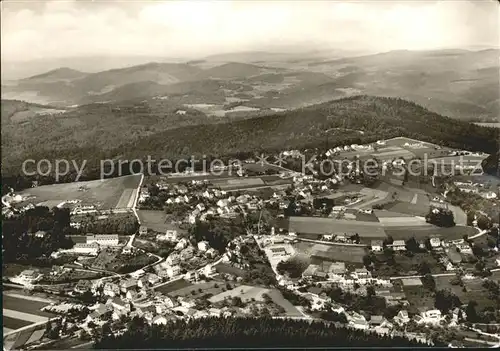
point(57, 29)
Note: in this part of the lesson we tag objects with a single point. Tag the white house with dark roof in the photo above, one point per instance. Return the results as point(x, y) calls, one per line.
point(399, 245)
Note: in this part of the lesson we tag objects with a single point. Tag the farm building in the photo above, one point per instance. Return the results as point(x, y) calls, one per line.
point(104, 240)
point(143, 230)
point(86, 249)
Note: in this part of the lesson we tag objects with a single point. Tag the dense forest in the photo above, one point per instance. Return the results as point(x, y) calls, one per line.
point(321, 126)
point(243, 333)
point(20, 242)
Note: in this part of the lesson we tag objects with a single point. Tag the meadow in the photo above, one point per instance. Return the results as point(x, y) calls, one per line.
point(173, 286)
point(104, 194)
point(156, 220)
point(21, 311)
point(474, 291)
point(237, 183)
point(318, 225)
point(245, 292)
point(331, 253)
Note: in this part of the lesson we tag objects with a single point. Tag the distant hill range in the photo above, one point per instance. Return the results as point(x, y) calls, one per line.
point(458, 83)
point(63, 73)
point(164, 129)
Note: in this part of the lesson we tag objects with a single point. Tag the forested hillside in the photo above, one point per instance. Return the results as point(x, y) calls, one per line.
point(244, 332)
point(315, 126)
point(136, 132)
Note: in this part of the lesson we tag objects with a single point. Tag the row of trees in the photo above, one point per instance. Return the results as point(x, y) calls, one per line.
point(243, 332)
point(119, 224)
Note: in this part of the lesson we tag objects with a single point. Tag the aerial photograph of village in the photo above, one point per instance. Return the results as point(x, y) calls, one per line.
point(250, 174)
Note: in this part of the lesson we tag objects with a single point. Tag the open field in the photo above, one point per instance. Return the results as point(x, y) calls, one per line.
point(245, 292)
point(104, 194)
point(331, 253)
point(388, 222)
point(257, 167)
point(197, 290)
point(173, 286)
point(290, 309)
point(381, 214)
point(318, 225)
point(420, 299)
point(237, 183)
point(363, 217)
point(408, 208)
point(390, 153)
point(474, 291)
point(24, 305)
point(400, 141)
point(228, 269)
point(20, 311)
point(14, 323)
point(16, 340)
point(156, 220)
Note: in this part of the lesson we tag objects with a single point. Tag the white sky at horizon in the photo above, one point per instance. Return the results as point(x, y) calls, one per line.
point(58, 29)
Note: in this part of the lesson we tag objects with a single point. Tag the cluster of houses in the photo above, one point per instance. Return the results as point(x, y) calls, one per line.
point(159, 309)
point(476, 188)
point(27, 277)
point(339, 238)
point(449, 252)
point(183, 252)
point(338, 272)
point(206, 202)
point(397, 245)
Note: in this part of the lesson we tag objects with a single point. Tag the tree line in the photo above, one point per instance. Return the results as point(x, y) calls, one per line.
point(216, 332)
